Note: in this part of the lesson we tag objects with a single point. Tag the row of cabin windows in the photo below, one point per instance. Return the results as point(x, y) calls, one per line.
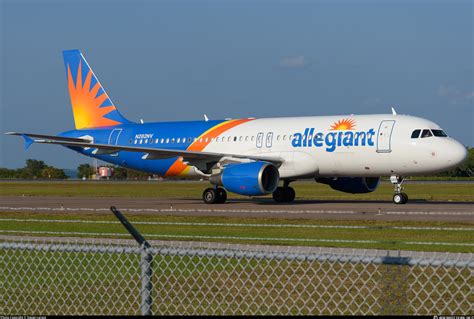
point(428, 133)
point(206, 140)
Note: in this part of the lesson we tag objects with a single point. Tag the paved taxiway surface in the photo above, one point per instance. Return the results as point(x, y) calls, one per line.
point(264, 208)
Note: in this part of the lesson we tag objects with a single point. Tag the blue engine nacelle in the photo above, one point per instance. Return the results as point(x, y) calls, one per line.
point(251, 179)
point(354, 185)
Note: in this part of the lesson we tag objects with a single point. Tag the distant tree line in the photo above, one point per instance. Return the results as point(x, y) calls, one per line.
point(33, 169)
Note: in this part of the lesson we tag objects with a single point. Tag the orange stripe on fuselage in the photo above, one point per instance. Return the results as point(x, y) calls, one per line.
point(178, 166)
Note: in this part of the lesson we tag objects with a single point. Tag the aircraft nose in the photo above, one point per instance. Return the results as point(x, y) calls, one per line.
point(457, 153)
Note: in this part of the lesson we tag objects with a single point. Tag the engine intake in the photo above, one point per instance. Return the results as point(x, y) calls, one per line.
point(353, 185)
point(251, 179)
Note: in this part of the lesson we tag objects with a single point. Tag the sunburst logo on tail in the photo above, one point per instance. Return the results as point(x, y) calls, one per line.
point(86, 103)
point(343, 125)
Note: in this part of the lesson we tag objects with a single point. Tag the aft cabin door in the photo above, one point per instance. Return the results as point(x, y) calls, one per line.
point(114, 135)
point(384, 136)
point(113, 138)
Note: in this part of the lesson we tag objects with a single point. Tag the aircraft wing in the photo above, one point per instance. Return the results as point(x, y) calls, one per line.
point(149, 152)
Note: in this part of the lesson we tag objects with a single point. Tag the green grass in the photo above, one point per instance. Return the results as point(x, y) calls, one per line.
point(45, 282)
point(325, 233)
point(102, 283)
point(81, 283)
point(304, 190)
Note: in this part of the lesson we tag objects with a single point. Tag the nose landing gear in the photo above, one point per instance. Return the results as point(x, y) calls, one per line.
point(399, 197)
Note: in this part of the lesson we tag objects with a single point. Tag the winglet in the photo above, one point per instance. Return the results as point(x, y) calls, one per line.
point(28, 141)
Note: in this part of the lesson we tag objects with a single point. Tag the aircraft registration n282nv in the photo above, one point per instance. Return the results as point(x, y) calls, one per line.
point(254, 156)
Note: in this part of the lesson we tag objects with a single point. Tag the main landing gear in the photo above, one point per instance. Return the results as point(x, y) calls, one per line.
point(285, 194)
point(214, 195)
point(399, 197)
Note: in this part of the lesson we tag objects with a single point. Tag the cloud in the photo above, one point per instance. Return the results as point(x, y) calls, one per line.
point(295, 61)
point(455, 95)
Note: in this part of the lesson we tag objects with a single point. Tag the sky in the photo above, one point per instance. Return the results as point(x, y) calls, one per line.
point(178, 60)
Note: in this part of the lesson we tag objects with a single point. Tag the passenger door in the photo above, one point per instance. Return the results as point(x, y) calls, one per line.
point(113, 138)
point(384, 136)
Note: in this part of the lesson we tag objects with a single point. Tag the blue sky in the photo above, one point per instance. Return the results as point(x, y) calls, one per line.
point(175, 60)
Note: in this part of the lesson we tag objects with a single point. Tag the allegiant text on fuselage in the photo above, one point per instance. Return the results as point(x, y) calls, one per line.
point(332, 140)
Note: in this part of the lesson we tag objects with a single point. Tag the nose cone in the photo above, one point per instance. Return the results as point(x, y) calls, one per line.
point(457, 154)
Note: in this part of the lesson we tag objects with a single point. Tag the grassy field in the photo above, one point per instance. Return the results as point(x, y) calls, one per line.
point(304, 190)
point(422, 236)
point(85, 283)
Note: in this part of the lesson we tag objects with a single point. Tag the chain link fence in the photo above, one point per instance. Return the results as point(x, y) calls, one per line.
point(116, 277)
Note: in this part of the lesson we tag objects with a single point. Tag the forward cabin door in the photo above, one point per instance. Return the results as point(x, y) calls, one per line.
point(384, 136)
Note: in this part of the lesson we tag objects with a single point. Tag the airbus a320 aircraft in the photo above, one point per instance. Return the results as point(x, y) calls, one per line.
point(253, 156)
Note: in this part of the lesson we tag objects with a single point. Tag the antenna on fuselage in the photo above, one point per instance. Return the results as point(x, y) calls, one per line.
point(393, 111)
point(141, 121)
point(206, 118)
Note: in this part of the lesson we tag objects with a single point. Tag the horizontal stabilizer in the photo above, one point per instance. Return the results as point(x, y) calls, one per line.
point(28, 141)
point(51, 137)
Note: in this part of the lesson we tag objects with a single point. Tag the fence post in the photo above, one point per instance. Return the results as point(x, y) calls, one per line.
point(146, 261)
point(146, 275)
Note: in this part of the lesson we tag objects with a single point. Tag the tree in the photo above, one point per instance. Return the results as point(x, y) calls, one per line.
point(85, 170)
point(120, 172)
point(33, 168)
point(53, 173)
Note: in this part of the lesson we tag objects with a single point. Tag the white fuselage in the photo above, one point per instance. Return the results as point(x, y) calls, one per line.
point(372, 145)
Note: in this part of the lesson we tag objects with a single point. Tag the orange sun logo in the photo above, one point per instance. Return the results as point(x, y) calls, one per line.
point(343, 125)
point(85, 103)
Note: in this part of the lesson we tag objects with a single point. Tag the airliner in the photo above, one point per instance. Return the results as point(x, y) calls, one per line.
point(250, 156)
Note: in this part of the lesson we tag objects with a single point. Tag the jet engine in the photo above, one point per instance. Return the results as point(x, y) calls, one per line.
point(251, 179)
point(354, 185)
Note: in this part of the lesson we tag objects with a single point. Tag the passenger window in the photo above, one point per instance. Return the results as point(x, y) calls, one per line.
point(179, 140)
point(439, 133)
point(252, 138)
point(172, 140)
point(167, 140)
point(235, 138)
point(240, 139)
point(415, 134)
point(426, 133)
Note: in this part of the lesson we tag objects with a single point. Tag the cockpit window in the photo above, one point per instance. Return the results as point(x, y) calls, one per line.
point(426, 133)
point(415, 134)
point(439, 133)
